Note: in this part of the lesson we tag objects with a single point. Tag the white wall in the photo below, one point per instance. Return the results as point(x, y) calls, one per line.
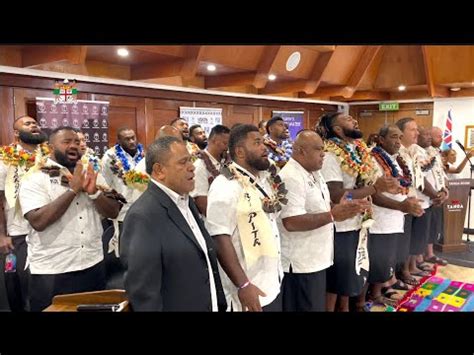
point(462, 114)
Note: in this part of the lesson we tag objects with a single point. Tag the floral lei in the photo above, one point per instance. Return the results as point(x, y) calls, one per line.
point(11, 155)
point(386, 163)
point(355, 162)
point(210, 166)
point(120, 166)
point(429, 165)
point(269, 204)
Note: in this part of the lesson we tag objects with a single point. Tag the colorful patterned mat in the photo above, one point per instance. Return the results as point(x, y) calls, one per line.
point(436, 294)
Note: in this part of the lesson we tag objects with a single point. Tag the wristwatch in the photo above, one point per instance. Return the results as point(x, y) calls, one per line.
point(95, 196)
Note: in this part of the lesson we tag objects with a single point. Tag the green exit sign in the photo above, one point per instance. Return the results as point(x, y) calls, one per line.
point(388, 106)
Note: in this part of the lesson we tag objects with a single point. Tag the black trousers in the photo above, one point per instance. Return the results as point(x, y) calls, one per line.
point(114, 270)
point(304, 292)
point(275, 306)
point(44, 287)
point(17, 283)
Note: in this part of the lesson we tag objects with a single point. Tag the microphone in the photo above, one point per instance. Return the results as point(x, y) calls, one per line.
point(460, 145)
point(464, 150)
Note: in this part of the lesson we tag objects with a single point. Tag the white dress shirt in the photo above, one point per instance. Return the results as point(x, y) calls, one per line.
point(74, 241)
point(388, 221)
point(202, 175)
point(116, 183)
point(222, 202)
point(313, 250)
point(182, 202)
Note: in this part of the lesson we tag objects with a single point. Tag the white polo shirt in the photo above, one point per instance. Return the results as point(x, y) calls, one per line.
point(116, 183)
point(313, 250)
point(16, 223)
point(331, 171)
point(222, 202)
point(388, 221)
point(202, 175)
point(74, 241)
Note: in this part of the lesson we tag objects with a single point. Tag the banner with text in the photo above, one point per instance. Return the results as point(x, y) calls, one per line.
point(294, 119)
point(91, 117)
point(203, 116)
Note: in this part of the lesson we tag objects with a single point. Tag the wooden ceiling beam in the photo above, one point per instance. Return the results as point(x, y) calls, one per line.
point(191, 61)
point(156, 70)
point(433, 89)
point(265, 66)
point(37, 55)
point(367, 58)
point(174, 51)
point(236, 79)
point(318, 70)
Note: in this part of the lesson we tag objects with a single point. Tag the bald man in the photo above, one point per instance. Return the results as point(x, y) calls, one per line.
point(165, 131)
point(13, 226)
point(169, 131)
point(306, 225)
point(437, 210)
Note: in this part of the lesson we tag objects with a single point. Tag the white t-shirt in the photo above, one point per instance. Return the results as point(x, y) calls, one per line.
point(116, 183)
point(388, 221)
point(416, 155)
point(222, 202)
point(306, 251)
point(331, 171)
point(74, 241)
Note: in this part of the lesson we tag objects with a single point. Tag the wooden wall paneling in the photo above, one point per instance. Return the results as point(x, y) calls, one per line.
point(164, 111)
point(7, 115)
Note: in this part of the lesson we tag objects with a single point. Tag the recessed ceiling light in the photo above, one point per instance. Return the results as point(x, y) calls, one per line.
point(211, 67)
point(455, 89)
point(402, 88)
point(272, 77)
point(122, 52)
point(293, 61)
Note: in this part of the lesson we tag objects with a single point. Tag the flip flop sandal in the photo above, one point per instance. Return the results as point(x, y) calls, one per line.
point(421, 273)
point(436, 260)
point(424, 267)
point(400, 285)
point(410, 281)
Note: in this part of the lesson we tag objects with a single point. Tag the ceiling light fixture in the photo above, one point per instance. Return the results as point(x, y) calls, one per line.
point(455, 89)
point(211, 67)
point(272, 77)
point(122, 52)
point(402, 88)
point(293, 61)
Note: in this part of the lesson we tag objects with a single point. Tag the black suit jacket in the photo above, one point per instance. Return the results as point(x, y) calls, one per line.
point(166, 269)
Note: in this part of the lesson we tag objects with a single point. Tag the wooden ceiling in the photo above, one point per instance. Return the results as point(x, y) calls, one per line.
point(327, 72)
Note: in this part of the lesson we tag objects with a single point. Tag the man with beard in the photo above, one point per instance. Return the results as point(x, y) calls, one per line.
point(279, 148)
point(198, 136)
point(307, 226)
point(241, 216)
point(348, 168)
point(170, 258)
point(209, 164)
point(62, 203)
point(118, 162)
point(183, 127)
point(13, 226)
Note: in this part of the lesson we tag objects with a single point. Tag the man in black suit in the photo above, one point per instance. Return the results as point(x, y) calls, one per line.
point(170, 259)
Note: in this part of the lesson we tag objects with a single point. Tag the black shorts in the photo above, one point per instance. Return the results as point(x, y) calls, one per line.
point(341, 277)
point(403, 243)
point(436, 224)
point(304, 292)
point(383, 256)
point(420, 231)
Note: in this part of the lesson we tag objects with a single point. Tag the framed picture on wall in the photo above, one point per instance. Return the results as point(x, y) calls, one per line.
point(469, 137)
